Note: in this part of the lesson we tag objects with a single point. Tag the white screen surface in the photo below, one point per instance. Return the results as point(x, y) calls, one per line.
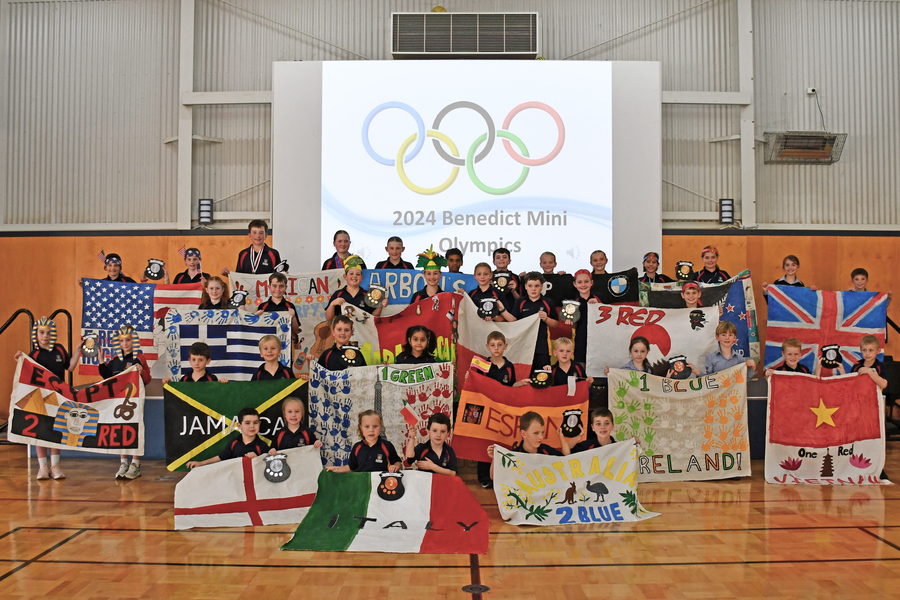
point(325, 178)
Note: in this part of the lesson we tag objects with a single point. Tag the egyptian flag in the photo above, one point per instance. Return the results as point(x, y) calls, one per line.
point(242, 492)
point(824, 431)
point(405, 512)
point(521, 336)
point(201, 417)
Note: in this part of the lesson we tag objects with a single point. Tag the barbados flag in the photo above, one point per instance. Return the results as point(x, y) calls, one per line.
point(408, 512)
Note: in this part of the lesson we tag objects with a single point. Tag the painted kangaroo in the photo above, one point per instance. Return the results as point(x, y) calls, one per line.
point(570, 495)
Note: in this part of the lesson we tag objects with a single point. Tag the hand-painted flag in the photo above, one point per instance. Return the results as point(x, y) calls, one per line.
point(201, 417)
point(739, 308)
point(108, 305)
point(409, 415)
point(237, 492)
point(818, 413)
point(409, 512)
point(480, 364)
point(489, 413)
point(232, 335)
point(473, 331)
point(822, 318)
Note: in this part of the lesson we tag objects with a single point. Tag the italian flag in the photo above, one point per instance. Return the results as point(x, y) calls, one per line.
point(434, 514)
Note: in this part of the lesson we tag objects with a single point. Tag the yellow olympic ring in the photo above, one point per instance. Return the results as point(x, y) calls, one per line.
point(420, 190)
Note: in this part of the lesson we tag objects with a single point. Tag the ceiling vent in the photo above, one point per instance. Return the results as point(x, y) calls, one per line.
point(464, 35)
point(803, 147)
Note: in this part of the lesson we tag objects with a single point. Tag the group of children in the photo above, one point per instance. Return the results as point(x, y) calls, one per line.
point(520, 298)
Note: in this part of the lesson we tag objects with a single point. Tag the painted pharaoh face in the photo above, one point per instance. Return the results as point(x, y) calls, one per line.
point(76, 419)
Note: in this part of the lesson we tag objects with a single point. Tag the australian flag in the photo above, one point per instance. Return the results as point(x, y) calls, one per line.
point(823, 318)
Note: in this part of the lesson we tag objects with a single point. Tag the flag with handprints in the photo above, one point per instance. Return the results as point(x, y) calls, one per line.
point(823, 318)
point(670, 331)
point(109, 305)
point(381, 339)
point(106, 417)
point(337, 397)
point(688, 429)
point(249, 491)
point(824, 431)
point(232, 336)
point(310, 294)
point(734, 296)
point(594, 486)
point(401, 284)
point(201, 417)
point(405, 512)
point(489, 413)
point(521, 336)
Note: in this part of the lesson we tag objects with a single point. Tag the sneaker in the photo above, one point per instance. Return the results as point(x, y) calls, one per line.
point(56, 472)
point(134, 472)
point(123, 468)
point(43, 472)
point(487, 484)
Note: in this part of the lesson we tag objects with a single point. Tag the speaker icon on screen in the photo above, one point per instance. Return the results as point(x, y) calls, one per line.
point(574, 252)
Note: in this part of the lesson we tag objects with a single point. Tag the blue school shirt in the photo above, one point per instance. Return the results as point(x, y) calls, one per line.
point(629, 366)
point(716, 361)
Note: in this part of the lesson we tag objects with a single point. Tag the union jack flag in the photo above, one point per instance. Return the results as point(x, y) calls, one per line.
point(821, 318)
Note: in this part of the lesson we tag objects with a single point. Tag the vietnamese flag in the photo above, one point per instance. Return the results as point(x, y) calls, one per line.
point(818, 413)
point(410, 511)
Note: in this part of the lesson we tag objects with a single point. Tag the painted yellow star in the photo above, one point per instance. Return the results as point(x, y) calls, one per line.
point(823, 414)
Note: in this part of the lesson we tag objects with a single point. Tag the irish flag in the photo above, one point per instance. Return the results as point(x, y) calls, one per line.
point(409, 512)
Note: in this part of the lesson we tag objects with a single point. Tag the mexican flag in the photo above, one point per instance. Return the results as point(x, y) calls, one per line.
point(405, 512)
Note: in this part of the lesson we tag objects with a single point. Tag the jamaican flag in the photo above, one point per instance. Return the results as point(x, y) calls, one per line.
point(201, 417)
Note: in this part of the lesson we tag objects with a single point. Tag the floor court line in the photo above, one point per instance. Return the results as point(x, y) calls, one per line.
point(878, 537)
point(41, 555)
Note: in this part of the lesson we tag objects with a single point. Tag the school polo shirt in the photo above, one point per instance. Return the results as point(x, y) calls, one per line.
point(505, 375)
point(423, 295)
point(271, 306)
point(359, 300)
point(286, 439)
point(56, 361)
point(237, 448)
point(262, 375)
point(447, 459)
point(406, 358)
point(373, 458)
point(331, 359)
point(335, 263)
point(525, 307)
point(717, 276)
point(877, 365)
point(800, 369)
point(266, 264)
point(581, 327)
point(591, 444)
point(185, 277)
point(207, 376)
point(561, 377)
point(658, 278)
point(542, 449)
point(387, 264)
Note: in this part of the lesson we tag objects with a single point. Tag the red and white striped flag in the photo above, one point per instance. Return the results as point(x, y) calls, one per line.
point(102, 256)
point(183, 251)
point(166, 296)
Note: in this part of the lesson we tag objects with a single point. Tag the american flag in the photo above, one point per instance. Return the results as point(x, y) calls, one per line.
point(108, 305)
point(821, 318)
point(102, 256)
point(183, 251)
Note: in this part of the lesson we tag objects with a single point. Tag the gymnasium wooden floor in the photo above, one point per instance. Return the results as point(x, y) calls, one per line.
point(92, 537)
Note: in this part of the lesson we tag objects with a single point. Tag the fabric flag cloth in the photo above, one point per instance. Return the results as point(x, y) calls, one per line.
point(594, 486)
point(489, 413)
point(240, 493)
point(381, 339)
point(337, 397)
point(521, 336)
point(823, 318)
point(824, 431)
point(618, 288)
point(689, 429)
point(401, 284)
point(310, 293)
point(735, 296)
point(405, 512)
point(201, 417)
point(108, 305)
point(233, 338)
point(671, 332)
point(106, 417)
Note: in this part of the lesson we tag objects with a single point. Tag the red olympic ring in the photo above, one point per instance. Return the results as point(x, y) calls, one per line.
point(535, 162)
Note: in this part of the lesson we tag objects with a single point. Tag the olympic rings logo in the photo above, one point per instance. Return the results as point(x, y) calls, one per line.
point(418, 138)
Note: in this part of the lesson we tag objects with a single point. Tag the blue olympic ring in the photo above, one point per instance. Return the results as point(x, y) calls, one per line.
point(420, 127)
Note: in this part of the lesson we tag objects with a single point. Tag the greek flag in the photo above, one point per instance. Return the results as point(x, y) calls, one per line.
point(233, 338)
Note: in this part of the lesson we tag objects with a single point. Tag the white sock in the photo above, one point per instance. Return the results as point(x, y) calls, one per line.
point(54, 460)
point(42, 461)
point(136, 461)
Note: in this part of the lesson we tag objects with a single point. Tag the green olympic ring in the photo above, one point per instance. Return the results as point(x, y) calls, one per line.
point(470, 165)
